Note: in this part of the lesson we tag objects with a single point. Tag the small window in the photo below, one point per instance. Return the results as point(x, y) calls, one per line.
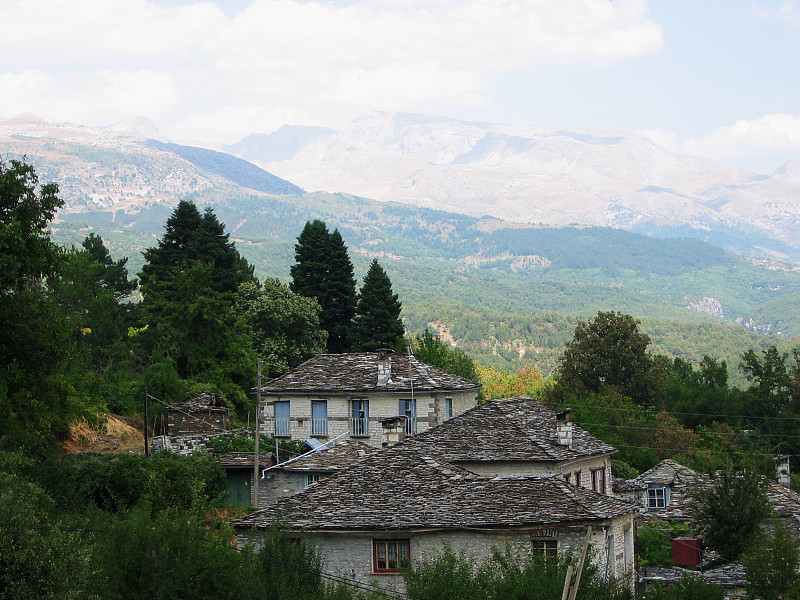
point(657, 497)
point(390, 556)
point(312, 478)
point(567, 476)
point(599, 480)
point(544, 548)
point(448, 408)
point(578, 478)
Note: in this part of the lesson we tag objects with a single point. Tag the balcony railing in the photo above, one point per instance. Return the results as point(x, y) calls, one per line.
point(411, 425)
point(319, 426)
point(281, 425)
point(359, 426)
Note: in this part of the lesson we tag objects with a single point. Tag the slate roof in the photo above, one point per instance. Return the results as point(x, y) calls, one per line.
point(362, 372)
point(340, 456)
point(680, 479)
point(405, 486)
point(203, 402)
point(786, 504)
point(513, 429)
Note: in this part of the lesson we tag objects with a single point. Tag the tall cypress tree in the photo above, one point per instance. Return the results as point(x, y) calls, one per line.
point(323, 271)
point(377, 322)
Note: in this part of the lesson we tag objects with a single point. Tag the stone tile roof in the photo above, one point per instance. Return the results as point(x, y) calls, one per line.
point(786, 504)
point(203, 402)
point(406, 486)
point(242, 460)
point(680, 479)
point(365, 372)
point(340, 456)
point(514, 429)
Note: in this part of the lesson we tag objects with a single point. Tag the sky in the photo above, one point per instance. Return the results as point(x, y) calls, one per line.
point(713, 78)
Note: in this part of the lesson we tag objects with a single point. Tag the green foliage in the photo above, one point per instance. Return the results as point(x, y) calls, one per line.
point(38, 559)
point(608, 351)
point(688, 588)
point(654, 541)
point(771, 563)
point(227, 444)
point(770, 381)
point(730, 511)
point(26, 252)
point(116, 483)
point(506, 574)
point(323, 270)
point(432, 350)
point(377, 322)
point(286, 326)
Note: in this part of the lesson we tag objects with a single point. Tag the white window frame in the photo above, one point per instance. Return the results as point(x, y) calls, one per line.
point(310, 478)
point(319, 423)
point(656, 500)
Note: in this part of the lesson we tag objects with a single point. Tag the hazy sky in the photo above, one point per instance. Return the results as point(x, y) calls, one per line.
point(719, 79)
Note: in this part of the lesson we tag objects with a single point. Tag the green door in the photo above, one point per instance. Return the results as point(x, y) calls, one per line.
point(239, 487)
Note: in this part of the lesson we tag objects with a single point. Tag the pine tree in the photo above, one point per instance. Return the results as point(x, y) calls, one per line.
point(323, 271)
point(377, 322)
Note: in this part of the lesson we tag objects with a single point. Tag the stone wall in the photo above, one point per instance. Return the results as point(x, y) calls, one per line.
point(430, 412)
point(350, 554)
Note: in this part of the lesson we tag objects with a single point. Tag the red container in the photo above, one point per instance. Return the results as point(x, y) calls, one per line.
point(687, 551)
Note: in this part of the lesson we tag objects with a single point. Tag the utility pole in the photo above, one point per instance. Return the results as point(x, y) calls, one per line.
point(258, 437)
point(146, 446)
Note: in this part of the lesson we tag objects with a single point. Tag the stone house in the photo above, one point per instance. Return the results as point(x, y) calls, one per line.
point(294, 475)
point(332, 395)
point(504, 487)
point(663, 491)
point(205, 413)
point(522, 437)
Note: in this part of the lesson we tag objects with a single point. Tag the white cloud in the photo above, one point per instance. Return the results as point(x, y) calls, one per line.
point(770, 135)
point(323, 62)
point(787, 12)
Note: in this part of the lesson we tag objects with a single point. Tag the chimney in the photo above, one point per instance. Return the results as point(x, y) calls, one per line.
point(564, 427)
point(393, 430)
point(783, 470)
point(384, 368)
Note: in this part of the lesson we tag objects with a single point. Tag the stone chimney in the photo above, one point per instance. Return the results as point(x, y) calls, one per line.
point(783, 471)
point(393, 430)
point(564, 427)
point(384, 367)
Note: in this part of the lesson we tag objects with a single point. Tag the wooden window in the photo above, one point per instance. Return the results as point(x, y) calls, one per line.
point(390, 556)
point(567, 476)
point(599, 480)
point(544, 548)
point(282, 418)
point(359, 419)
point(448, 408)
point(319, 417)
point(657, 497)
point(310, 478)
point(578, 477)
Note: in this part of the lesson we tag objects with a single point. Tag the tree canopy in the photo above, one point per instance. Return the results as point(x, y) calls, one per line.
point(323, 270)
point(377, 322)
point(607, 352)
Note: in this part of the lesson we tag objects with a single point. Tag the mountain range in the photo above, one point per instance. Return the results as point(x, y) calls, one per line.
point(537, 175)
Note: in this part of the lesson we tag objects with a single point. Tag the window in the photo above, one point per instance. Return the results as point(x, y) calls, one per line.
point(390, 556)
point(310, 478)
point(282, 417)
point(448, 408)
point(599, 480)
point(657, 497)
point(544, 548)
point(577, 478)
point(319, 417)
point(359, 419)
point(567, 476)
point(408, 409)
